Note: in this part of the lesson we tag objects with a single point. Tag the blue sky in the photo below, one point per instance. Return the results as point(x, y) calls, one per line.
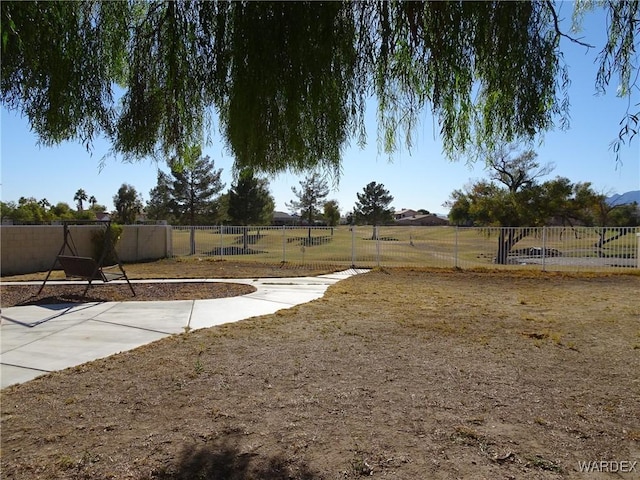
point(421, 178)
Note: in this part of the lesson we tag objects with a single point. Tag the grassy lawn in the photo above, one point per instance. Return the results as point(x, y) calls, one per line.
point(441, 247)
point(397, 373)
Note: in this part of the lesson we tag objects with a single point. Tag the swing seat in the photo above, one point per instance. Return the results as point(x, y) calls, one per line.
point(86, 268)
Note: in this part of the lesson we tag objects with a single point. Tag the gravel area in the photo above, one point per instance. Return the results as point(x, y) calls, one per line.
point(14, 295)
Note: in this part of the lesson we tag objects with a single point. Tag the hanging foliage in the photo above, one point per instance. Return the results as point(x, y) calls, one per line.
point(288, 82)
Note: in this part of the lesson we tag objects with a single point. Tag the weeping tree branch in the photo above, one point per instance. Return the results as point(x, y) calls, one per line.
point(559, 33)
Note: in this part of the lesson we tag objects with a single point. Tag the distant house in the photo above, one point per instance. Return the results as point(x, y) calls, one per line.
point(429, 220)
point(283, 218)
point(405, 213)
point(103, 216)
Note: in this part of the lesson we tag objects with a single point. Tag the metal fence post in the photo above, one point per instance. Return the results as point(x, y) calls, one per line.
point(221, 241)
point(284, 243)
point(377, 245)
point(544, 249)
point(353, 246)
point(455, 248)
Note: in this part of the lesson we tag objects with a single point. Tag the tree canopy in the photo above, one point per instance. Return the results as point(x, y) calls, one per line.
point(128, 204)
point(309, 198)
point(331, 212)
point(161, 204)
point(250, 202)
point(522, 202)
point(29, 210)
point(195, 184)
point(373, 205)
point(288, 82)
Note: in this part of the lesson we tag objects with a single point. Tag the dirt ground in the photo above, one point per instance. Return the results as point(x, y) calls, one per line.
point(15, 295)
point(398, 374)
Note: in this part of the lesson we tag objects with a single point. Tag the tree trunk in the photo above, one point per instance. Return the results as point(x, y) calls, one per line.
point(192, 240)
point(507, 239)
point(503, 246)
point(604, 240)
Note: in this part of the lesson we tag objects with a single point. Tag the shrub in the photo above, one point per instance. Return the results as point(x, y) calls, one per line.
point(98, 242)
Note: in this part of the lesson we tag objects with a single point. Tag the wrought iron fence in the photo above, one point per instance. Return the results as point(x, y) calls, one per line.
point(546, 248)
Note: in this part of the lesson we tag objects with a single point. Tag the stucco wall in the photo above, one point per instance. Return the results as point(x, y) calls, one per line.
point(33, 248)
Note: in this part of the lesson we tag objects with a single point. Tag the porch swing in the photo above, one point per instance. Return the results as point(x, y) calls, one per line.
point(87, 268)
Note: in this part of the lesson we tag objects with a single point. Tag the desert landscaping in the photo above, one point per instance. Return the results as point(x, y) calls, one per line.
point(397, 373)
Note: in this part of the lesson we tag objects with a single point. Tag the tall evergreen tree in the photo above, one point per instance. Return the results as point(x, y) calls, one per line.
point(309, 198)
point(195, 184)
point(161, 205)
point(249, 203)
point(372, 206)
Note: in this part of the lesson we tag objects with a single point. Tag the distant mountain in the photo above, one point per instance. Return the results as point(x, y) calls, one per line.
point(628, 197)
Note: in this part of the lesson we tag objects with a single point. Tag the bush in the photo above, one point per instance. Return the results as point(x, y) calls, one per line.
point(98, 243)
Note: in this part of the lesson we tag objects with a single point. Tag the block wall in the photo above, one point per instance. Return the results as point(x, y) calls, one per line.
point(33, 248)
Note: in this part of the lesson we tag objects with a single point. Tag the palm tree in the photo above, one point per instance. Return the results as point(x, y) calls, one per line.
point(80, 197)
point(93, 201)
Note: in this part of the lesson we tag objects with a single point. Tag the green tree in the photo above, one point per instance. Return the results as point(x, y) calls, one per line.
point(28, 211)
point(521, 201)
point(249, 202)
point(309, 198)
point(62, 211)
point(85, 215)
point(6, 210)
point(615, 215)
point(128, 204)
point(222, 203)
point(331, 213)
point(516, 172)
point(98, 208)
point(613, 221)
point(79, 197)
point(161, 205)
point(290, 80)
point(372, 206)
point(195, 183)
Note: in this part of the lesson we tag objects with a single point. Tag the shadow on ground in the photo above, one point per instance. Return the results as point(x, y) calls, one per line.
point(60, 300)
point(226, 462)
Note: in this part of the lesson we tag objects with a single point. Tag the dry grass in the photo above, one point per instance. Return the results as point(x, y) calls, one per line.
point(398, 373)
